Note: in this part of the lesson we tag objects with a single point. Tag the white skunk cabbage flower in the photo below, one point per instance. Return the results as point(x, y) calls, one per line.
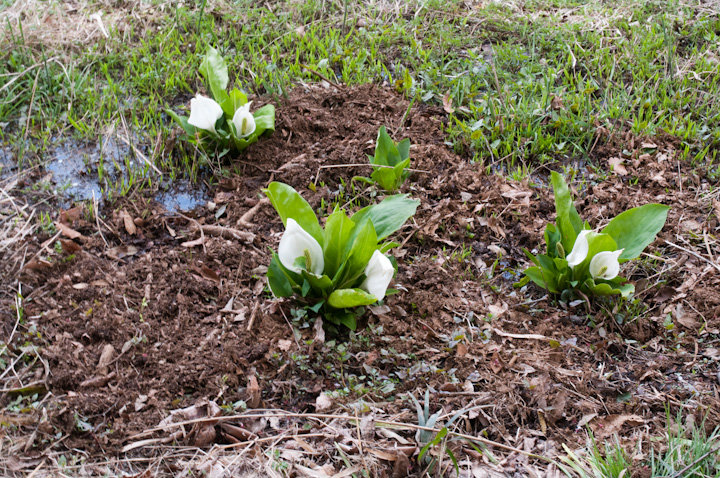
point(204, 112)
point(605, 265)
point(580, 249)
point(378, 274)
point(297, 242)
point(244, 121)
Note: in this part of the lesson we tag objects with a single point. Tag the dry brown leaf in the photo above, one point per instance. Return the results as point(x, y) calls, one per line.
point(611, 424)
point(67, 231)
point(716, 208)
point(322, 402)
point(106, 356)
point(496, 363)
point(209, 274)
point(617, 166)
point(253, 391)
point(72, 214)
point(401, 467)
point(447, 104)
point(69, 246)
point(120, 252)
point(128, 222)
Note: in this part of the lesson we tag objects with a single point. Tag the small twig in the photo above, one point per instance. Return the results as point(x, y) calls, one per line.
point(322, 76)
point(32, 101)
point(253, 315)
point(680, 473)
point(97, 218)
point(695, 254)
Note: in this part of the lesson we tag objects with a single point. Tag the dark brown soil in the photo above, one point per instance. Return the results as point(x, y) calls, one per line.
point(155, 306)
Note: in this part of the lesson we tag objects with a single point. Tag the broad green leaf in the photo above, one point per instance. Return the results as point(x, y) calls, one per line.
point(342, 318)
point(214, 69)
point(389, 215)
point(564, 206)
point(385, 178)
point(242, 143)
point(264, 119)
point(384, 147)
point(552, 237)
point(531, 257)
point(182, 121)
point(235, 100)
point(544, 278)
point(597, 242)
point(279, 282)
point(634, 229)
point(567, 235)
point(400, 171)
point(347, 298)
point(337, 232)
point(403, 148)
point(289, 204)
point(605, 288)
point(358, 251)
point(321, 286)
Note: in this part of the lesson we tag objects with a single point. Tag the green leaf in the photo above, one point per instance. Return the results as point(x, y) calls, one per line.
point(358, 251)
point(400, 173)
point(568, 218)
point(279, 282)
point(385, 178)
point(264, 120)
point(552, 237)
point(337, 232)
point(214, 69)
point(389, 215)
point(403, 148)
point(321, 286)
point(544, 278)
point(634, 229)
point(289, 204)
point(242, 143)
point(235, 100)
point(384, 146)
point(182, 121)
point(604, 288)
point(347, 298)
point(342, 318)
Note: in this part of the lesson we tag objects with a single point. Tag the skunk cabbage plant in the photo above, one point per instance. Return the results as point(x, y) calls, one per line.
point(592, 267)
point(390, 162)
point(337, 269)
point(223, 123)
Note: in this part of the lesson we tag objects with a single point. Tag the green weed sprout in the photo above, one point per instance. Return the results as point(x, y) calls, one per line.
point(225, 123)
point(593, 265)
point(338, 269)
point(391, 161)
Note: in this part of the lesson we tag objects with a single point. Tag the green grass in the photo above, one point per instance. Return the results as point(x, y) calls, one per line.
point(528, 87)
point(685, 451)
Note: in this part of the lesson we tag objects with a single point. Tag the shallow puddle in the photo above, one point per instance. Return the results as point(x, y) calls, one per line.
point(182, 196)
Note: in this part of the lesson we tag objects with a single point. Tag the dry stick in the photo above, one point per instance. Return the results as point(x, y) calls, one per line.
point(334, 417)
point(695, 254)
point(321, 76)
point(135, 150)
point(30, 68)
point(252, 316)
point(678, 474)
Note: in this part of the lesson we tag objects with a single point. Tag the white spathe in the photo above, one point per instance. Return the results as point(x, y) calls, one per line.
point(580, 249)
point(605, 265)
point(297, 242)
point(244, 121)
point(204, 112)
point(378, 274)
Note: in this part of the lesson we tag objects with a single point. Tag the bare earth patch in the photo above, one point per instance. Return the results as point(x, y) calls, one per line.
point(140, 314)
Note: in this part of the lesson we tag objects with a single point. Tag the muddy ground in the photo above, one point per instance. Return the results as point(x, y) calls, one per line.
point(127, 327)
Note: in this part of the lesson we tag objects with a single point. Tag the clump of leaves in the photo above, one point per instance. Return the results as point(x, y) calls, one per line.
point(224, 123)
point(338, 269)
point(390, 162)
point(593, 265)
